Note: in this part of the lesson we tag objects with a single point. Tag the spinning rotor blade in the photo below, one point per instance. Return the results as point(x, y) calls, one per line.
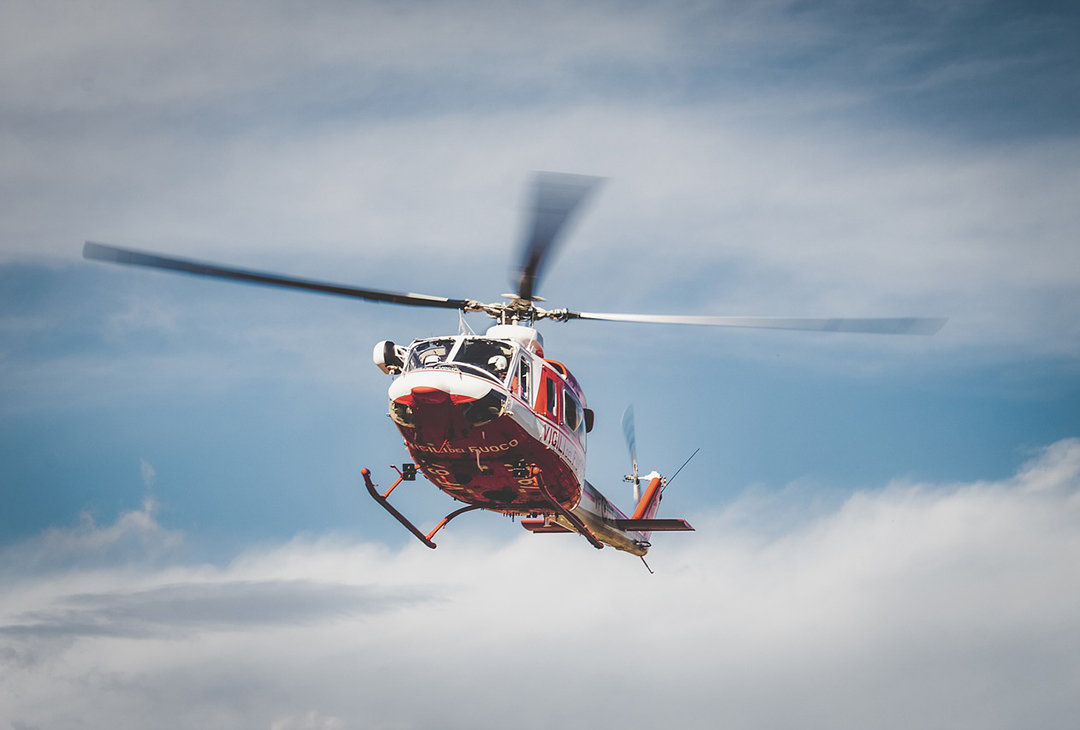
point(879, 326)
point(558, 195)
point(631, 446)
point(629, 434)
point(103, 252)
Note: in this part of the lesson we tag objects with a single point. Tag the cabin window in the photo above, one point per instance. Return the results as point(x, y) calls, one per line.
point(573, 415)
point(429, 352)
point(547, 399)
point(489, 356)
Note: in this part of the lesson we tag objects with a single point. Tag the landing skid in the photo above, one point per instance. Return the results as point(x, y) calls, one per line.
point(383, 500)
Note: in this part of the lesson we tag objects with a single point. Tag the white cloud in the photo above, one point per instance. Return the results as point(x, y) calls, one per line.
point(380, 135)
point(913, 605)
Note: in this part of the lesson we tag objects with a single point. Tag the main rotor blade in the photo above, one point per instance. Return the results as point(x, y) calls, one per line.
point(103, 252)
point(557, 196)
point(877, 326)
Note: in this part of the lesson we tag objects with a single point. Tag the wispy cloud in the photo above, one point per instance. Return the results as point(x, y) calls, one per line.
point(149, 474)
point(135, 534)
point(913, 605)
point(177, 610)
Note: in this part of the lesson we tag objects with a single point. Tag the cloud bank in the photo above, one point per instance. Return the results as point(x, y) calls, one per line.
point(913, 605)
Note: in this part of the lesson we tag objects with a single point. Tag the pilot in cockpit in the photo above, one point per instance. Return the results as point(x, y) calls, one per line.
point(498, 364)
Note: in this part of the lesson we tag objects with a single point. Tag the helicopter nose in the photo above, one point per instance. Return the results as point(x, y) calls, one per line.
point(428, 395)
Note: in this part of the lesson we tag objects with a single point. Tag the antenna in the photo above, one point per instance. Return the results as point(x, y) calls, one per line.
point(463, 326)
point(672, 477)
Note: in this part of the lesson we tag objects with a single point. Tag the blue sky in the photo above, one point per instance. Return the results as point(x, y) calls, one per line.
point(183, 524)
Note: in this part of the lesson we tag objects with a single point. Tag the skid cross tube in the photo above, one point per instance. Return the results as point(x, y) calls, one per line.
point(384, 502)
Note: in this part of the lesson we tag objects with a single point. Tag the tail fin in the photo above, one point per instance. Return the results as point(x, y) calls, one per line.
point(644, 519)
point(649, 503)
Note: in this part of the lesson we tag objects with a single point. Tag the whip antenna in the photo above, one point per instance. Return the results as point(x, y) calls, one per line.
point(672, 478)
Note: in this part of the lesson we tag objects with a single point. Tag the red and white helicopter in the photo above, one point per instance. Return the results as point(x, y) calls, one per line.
point(490, 419)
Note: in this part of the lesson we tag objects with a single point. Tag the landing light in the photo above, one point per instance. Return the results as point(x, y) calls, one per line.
point(401, 414)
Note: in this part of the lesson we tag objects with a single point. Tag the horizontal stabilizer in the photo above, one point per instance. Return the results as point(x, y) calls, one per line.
point(653, 525)
point(543, 526)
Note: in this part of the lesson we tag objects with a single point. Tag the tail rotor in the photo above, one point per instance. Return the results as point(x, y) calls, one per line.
point(631, 446)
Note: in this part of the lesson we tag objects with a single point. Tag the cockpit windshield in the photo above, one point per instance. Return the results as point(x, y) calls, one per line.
point(491, 356)
point(429, 352)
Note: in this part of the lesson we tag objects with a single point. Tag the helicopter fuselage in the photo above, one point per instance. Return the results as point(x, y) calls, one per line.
point(495, 425)
point(479, 413)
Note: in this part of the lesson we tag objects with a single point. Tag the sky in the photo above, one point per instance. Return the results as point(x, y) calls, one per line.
point(887, 527)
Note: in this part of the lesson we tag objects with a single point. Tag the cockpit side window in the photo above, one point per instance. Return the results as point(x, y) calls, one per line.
point(524, 378)
point(491, 356)
point(429, 352)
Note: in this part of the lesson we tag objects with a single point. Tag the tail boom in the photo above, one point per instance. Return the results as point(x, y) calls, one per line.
point(609, 524)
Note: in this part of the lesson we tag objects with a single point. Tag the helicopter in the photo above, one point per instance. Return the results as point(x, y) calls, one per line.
point(490, 419)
